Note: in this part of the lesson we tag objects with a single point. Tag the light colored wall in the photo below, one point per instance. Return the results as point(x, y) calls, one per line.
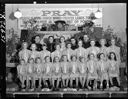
point(114, 14)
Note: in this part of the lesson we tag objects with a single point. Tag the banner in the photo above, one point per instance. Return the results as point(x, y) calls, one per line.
point(40, 16)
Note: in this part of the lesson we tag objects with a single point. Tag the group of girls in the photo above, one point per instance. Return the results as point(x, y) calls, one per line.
point(67, 68)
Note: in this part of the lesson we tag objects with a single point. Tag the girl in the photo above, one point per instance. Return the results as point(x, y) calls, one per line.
point(92, 71)
point(44, 53)
point(115, 49)
point(103, 48)
point(69, 52)
point(57, 52)
point(38, 72)
point(93, 49)
point(65, 71)
point(56, 72)
point(24, 53)
point(80, 51)
point(82, 71)
point(47, 71)
point(103, 69)
point(113, 68)
point(30, 72)
point(73, 71)
point(34, 54)
point(62, 43)
point(22, 71)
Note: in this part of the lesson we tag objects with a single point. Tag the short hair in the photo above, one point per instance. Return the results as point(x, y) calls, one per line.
point(37, 36)
point(62, 37)
point(22, 60)
point(115, 58)
point(37, 59)
point(55, 58)
point(80, 58)
point(47, 57)
point(100, 55)
point(90, 55)
point(62, 57)
point(73, 56)
point(51, 36)
point(30, 60)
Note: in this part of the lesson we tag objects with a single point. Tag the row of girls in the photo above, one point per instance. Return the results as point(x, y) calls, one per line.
point(82, 65)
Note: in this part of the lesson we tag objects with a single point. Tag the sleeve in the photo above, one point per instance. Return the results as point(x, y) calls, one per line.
point(19, 54)
point(18, 69)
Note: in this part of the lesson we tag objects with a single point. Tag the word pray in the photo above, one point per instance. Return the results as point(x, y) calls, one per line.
point(61, 13)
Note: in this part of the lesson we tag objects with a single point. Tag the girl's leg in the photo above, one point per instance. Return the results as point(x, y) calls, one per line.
point(111, 81)
point(67, 80)
point(80, 78)
point(58, 81)
point(63, 81)
point(83, 83)
point(76, 82)
point(71, 82)
point(40, 82)
point(118, 80)
point(53, 83)
point(27, 82)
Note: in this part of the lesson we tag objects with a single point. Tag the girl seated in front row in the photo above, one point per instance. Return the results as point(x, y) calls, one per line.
point(38, 71)
point(65, 71)
point(92, 71)
point(113, 69)
point(103, 70)
point(22, 72)
point(73, 71)
point(47, 72)
point(56, 72)
point(82, 71)
point(30, 73)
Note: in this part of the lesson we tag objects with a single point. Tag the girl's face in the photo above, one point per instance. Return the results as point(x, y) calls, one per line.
point(112, 56)
point(25, 45)
point(113, 42)
point(33, 47)
point(102, 42)
point(65, 58)
point(44, 47)
point(62, 39)
point(92, 43)
point(38, 61)
point(48, 59)
point(37, 39)
point(57, 47)
point(102, 56)
point(22, 62)
point(74, 59)
point(80, 43)
point(51, 39)
point(91, 57)
point(82, 60)
point(56, 59)
point(69, 46)
point(73, 41)
point(31, 61)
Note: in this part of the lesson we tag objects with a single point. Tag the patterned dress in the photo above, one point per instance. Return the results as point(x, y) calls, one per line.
point(56, 70)
point(113, 69)
point(82, 69)
point(103, 67)
point(65, 70)
point(74, 70)
point(92, 69)
point(48, 70)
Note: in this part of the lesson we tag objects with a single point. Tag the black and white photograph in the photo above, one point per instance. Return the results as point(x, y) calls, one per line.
point(65, 50)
